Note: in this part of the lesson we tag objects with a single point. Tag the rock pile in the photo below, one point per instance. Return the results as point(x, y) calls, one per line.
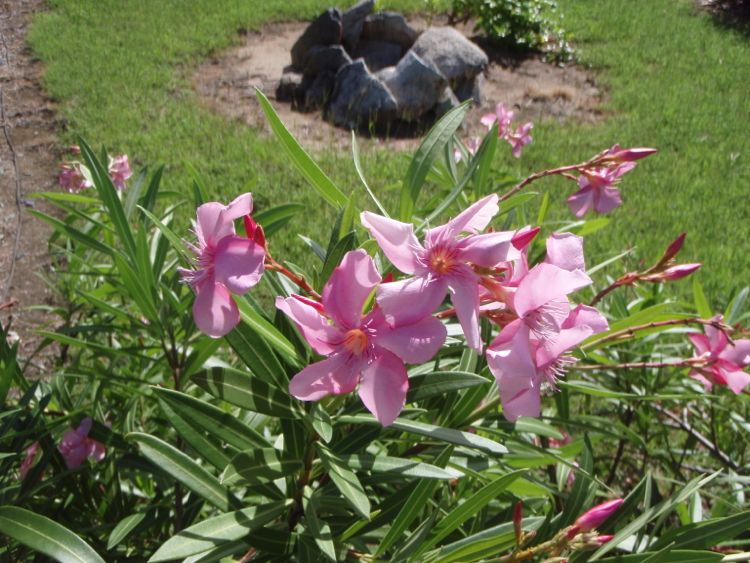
point(366, 69)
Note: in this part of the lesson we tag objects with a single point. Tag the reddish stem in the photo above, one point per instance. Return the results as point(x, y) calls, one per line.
point(296, 279)
point(630, 332)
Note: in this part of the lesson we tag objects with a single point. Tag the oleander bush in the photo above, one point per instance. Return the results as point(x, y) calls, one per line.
point(452, 381)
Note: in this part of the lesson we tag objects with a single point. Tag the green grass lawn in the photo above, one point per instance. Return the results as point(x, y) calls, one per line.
point(675, 81)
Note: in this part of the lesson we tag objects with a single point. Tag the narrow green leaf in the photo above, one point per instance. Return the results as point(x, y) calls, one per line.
point(429, 151)
point(124, 528)
point(405, 467)
point(273, 219)
point(246, 392)
point(428, 385)
point(258, 466)
point(45, 536)
point(269, 333)
point(73, 233)
point(676, 556)
point(706, 534)
point(333, 258)
point(435, 432)
point(301, 160)
point(183, 469)
point(358, 168)
point(177, 243)
point(701, 303)
point(485, 155)
point(319, 529)
point(321, 422)
point(346, 481)
point(218, 530)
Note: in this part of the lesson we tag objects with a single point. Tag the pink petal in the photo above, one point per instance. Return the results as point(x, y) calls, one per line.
point(332, 376)
point(488, 250)
point(736, 380)
point(347, 289)
point(545, 283)
point(700, 343)
point(408, 301)
point(241, 205)
point(488, 120)
point(396, 240)
point(384, 386)
point(739, 354)
point(238, 263)
point(414, 343)
point(583, 315)
point(698, 376)
point(565, 250)
point(609, 199)
point(476, 217)
point(214, 310)
point(465, 297)
point(511, 361)
point(581, 202)
point(315, 328)
point(216, 221)
point(84, 427)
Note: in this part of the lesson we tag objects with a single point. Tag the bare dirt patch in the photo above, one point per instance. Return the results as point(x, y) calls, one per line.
point(27, 164)
point(534, 89)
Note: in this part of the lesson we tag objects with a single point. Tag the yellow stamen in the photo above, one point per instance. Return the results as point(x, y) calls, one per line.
point(355, 341)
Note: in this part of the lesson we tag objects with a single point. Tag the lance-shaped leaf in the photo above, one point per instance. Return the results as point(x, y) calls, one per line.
point(45, 536)
point(218, 530)
point(246, 392)
point(319, 529)
point(345, 480)
point(258, 466)
point(400, 466)
point(185, 470)
point(428, 385)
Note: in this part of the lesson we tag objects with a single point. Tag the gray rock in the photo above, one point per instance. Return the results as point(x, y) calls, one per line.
point(446, 102)
point(389, 26)
point(325, 30)
point(359, 98)
point(353, 20)
point(328, 58)
point(289, 86)
point(318, 93)
point(455, 56)
point(378, 54)
point(473, 89)
point(385, 74)
point(416, 85)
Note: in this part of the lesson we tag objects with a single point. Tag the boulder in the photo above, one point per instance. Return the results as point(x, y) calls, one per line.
point(455, 56)
point(470, 88)
point(389, 26)
point(353, 20)
point(385, 74)
point(446, 102)
point(289, 86)
point(378, 54)
point(325, 30)
point(359, 98)
point(416, 85)
point(328, 58)
point(318, 93)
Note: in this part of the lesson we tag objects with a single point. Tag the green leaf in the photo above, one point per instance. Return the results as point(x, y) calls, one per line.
point(414, 505)
point(428, 385)
point(469, 508)
point(213, 420)
point(124, 528)
point(676, 556)
point(257, 355)
point(345, 480)
point(405, 467)
point(258, 466)
point(319, 529)
point(269, 333)
point(538, 427)
point(321, 422)
point(276, 217)
point(45, 536)
point(246, 392)
point(701, 303)
point(706, 534)
point(301, 160)
point(358, 168)
point(73, 233)
point(183, 469)
point(435, 432)
point(429, 151)
point(177, 243)
point(218, 530)
point(333, 258)
point(485, 156)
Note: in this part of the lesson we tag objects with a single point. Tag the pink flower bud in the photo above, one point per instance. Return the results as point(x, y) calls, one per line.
point(596, 516)
point(518, 521)
point(674, 247)
point(679, 271)
point(601, 540)
point(524, 236)
point(630, 155)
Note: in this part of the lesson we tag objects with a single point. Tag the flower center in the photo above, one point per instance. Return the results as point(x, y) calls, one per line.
point(442, 260)
point(355, 341)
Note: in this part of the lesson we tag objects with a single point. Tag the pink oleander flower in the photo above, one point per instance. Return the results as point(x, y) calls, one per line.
point(520, 138)
point(445, 264)
point(368, 349)
point(524, 363)
point(597, 190)
point(119, 170)
point(596, 516)
point(502, 116)
point(225, 264)
point(28, 462)
point(76, 446)
point(471, 146)
point(74, 177)
point(725, 360)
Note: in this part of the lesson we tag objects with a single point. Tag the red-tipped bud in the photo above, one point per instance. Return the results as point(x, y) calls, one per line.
point(388, 278)
point(679, 271)
point(524, 236)
point(631, 155)
point(254, 231)
point(674, 247)
point(518, 521)
point(596, 516)
point(601, 540)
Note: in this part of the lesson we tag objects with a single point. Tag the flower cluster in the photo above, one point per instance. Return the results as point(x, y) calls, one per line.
point(518, 137)
point(724, 361)
point(75, 176)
